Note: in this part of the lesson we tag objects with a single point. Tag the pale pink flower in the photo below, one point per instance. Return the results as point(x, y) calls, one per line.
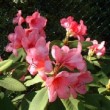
point(36, 21)
point(73, 28)
point(15, 40)
point(31, 38)
point(58, 86)
point(79, 85)
point(98, 49)
point(70, 58)
point(18, 19)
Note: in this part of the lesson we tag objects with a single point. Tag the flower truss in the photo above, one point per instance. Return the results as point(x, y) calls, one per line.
point(59, 65)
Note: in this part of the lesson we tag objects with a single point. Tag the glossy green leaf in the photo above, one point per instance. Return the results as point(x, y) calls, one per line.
point(40, 100)
point(5, 64)
point(12, 84)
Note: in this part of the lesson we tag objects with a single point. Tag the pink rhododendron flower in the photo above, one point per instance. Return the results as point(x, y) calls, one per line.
point(58, 86)
point(98, 49)
point(73, 28)
point(38, 57)
point(18, 19)
point(70, 58)
point(79, 85)
point(31, 38)
point(15, 40)
point(36, 21)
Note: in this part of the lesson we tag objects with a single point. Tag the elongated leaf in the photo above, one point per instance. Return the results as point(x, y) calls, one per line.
point(67, 104)
point(33, 81)
point(85, 44)
point(40, 100)
point(5, 64)
point(11, 84)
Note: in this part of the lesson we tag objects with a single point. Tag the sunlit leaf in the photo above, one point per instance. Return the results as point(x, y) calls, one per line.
point(12, 84)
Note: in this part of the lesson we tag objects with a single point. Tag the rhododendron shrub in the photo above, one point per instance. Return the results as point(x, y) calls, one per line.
point(43, 71)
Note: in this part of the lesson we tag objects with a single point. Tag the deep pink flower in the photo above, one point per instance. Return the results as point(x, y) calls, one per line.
point(79, 85)
point(38, 57)
point(18, 19)
point(73, 28)
point(36, 21)
point(58, 86)
point(98, 49)
point(15, 40)
point(70, 58)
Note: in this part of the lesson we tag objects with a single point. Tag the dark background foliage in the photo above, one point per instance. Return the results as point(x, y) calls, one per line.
point(96, 15)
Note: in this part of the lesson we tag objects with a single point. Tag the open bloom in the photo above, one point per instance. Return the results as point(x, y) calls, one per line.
point(73, 28)
point(36, 21)
point(38, 57)
point(98, 49)
point(58, 86)
point(79, 85)
point(15, 40)
point(18, 19)
point(70, 58)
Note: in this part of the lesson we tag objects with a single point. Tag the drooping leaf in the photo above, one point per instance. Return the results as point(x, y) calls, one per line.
point(33, 81)
point(12, 84)
point(40, 100)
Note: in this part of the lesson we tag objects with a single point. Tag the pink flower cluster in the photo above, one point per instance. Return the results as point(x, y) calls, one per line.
point(96, 48)
point(66, 73)
point(73, 28)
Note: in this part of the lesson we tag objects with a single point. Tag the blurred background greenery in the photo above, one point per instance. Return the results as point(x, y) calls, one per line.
point(96, 15)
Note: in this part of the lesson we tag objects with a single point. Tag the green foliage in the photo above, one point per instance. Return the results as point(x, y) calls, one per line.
point(40, 100)
point(11, 84)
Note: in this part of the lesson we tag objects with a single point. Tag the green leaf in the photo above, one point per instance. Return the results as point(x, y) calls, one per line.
point(78, 105)
point(40, 100)
point(21, 56)
point(5, 64)
point(33, 81)
point(101, 90)
point(85, 44)
point(6, 104)
point(12, 84)
point(24, 105)
point(56, 42)
point(67, 104)
point(73, 104)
